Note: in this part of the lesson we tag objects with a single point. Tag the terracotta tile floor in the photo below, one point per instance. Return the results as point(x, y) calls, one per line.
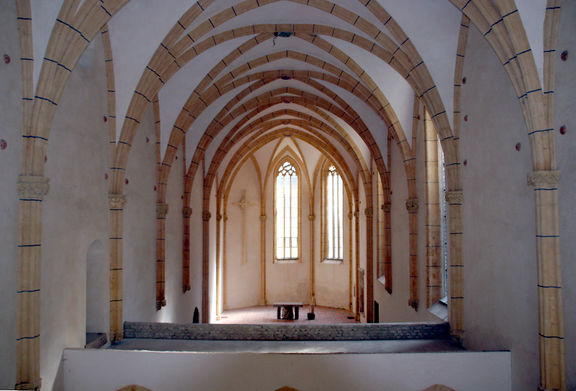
point(267, 315)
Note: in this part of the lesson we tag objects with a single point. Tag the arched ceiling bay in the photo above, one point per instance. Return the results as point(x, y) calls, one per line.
point(381, 53)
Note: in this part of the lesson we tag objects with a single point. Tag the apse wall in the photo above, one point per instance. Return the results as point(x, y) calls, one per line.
point(241, 278)
point(500, 272)
point(75, 211)
point(286, 281)
point(565, 102)
point(10, 131)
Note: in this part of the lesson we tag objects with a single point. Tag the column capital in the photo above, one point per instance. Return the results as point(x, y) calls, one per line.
point(544, 178)
point(187, 211)
point(454, 196)
point(412, 205)
point(33, 186)
point(161, 210)
point(117, 201)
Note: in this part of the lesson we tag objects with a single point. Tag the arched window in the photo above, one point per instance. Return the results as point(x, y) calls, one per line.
point(333, 215)
point(287, 212)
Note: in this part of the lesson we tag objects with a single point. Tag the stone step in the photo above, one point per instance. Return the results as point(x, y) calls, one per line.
point(283, 332)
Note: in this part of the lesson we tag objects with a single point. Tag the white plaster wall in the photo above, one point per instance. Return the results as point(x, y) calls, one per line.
point(75, 209)
point(242, 281)
point(498, 217)
point(95, 370)
point(394, 307)
point(10, 131)
point(97, 291)
point(179, 306)
point(565, 101)
point(140, 226)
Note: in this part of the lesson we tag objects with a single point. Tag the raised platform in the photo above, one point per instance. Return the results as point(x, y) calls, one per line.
point(288, 332)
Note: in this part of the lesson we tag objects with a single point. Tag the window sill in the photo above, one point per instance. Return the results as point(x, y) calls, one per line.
point(333, 261)
point(288, 260)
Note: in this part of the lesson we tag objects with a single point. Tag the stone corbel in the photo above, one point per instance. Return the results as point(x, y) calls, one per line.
point(454, 197)
point(32, 187)
point(117, 201)
point(544, 179)
point(412, 205)
point(187, 212)
point(161, 210)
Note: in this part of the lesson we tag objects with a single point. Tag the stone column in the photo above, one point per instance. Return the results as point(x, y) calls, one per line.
point(219, 268)
point(117, 203)
point(161, 213)
point(387, 208)
point(412, 208)
point(369, 213)
point(263, 300)
point(206, 216)
point(454, 199)
point(550, 307)
point(186, 214)
point(31, 192)
point(311, 218)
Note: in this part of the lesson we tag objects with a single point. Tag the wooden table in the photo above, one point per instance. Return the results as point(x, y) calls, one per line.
point(292, 310)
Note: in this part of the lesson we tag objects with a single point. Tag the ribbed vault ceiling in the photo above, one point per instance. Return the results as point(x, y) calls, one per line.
point(231, 69)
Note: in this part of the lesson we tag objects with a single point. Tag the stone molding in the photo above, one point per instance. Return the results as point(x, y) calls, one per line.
point(219, 217)
point(262, 217)
point(33, 186)
point(544, 178)
point(161, 210)
point(117, 201)
point(412, 205)
point(454, 197)
point(387, 207)
point(206, 215)
point(187, 211)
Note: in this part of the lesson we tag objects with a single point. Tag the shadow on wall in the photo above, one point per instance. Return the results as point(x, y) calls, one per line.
point(96, 297)
point(134, 387)
point(438, 387)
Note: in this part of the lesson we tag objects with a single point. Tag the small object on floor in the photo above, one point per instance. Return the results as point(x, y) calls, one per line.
point(196, 317)
point(350, 317)
point(311, 316)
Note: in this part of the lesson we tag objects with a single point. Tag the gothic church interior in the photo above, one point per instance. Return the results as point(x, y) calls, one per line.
point(406, 161)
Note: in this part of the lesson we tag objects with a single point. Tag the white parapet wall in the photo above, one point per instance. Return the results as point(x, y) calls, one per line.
point(110, 370)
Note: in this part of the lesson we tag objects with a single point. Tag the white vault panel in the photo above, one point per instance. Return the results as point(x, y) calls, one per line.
point(396, 89)
point(434, 31)
point(178, 89)
point(134, 41)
